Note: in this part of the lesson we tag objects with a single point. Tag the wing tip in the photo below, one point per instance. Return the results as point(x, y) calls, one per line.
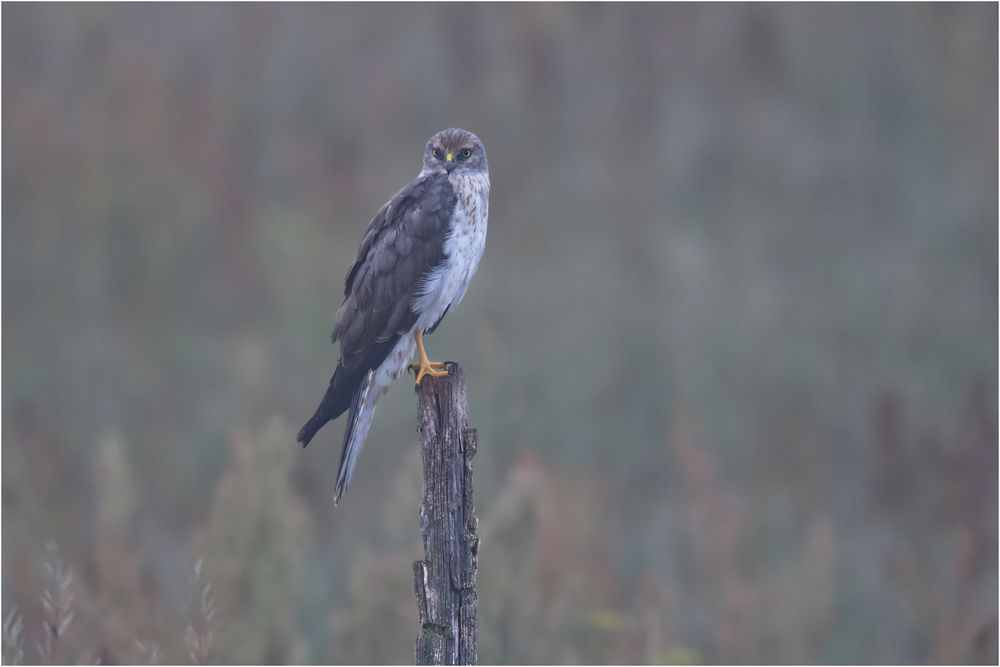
point(308, 432)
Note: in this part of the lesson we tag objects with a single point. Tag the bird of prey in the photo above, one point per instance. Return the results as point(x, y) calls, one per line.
point(414, 265)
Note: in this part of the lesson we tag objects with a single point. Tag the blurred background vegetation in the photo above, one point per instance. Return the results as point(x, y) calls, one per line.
point(732, 348)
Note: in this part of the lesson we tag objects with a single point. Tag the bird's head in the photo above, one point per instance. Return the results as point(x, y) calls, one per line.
point(455, 150)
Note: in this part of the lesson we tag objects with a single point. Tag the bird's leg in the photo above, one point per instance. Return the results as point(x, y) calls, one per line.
point(425, 366)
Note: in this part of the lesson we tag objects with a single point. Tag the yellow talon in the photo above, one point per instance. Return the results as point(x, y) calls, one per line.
point(425, 366)
point(430, 369)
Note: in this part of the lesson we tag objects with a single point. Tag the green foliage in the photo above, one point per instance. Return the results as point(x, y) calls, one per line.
point(376, 622)
point(253, 540)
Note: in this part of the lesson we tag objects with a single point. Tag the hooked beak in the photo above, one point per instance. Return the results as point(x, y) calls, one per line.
point(449, 161)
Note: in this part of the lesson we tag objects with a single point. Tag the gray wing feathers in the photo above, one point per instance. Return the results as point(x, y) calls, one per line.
point(404, 241)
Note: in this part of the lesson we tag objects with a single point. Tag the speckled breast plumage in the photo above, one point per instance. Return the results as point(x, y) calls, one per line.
point(445, 287)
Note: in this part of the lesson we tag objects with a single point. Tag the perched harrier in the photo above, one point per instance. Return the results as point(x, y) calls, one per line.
point(414, 264)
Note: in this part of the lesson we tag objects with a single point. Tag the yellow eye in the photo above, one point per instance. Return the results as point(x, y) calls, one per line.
point(465, 153)
point(437, 153)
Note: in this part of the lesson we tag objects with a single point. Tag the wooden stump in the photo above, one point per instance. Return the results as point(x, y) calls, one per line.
point(445, 580)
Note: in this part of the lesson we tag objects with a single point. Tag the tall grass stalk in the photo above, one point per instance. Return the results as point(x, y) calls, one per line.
point(13, 625)
point(57, 603)
point(200, 633)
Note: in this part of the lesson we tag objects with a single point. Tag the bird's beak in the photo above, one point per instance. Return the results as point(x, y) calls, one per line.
point(449, 157)
point(449, 161)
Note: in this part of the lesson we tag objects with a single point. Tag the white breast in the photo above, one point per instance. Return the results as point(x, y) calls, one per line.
point(464, 246)
point(446, 285)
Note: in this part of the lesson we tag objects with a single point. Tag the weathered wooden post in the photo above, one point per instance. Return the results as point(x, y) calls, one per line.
point(445, 580)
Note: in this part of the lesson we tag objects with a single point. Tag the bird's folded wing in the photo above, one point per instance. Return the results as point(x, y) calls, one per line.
point(404, 242)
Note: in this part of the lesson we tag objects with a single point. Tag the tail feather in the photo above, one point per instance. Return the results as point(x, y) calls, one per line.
point(359, 419)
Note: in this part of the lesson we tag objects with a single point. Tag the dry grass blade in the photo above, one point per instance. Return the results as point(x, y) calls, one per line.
point(57, 602)
point(13, 625)
point(200, 632)
point(150, 650)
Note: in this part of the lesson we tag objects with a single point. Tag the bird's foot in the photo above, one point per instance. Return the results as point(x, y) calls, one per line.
point(436, 369)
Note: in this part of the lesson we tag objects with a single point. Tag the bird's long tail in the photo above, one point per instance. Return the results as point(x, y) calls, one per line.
point(359, 419)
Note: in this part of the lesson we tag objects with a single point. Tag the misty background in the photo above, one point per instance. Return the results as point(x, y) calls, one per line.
point(731, 350)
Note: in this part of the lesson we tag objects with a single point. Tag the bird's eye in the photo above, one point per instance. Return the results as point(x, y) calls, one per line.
point(465, 153)
point(437, 153)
